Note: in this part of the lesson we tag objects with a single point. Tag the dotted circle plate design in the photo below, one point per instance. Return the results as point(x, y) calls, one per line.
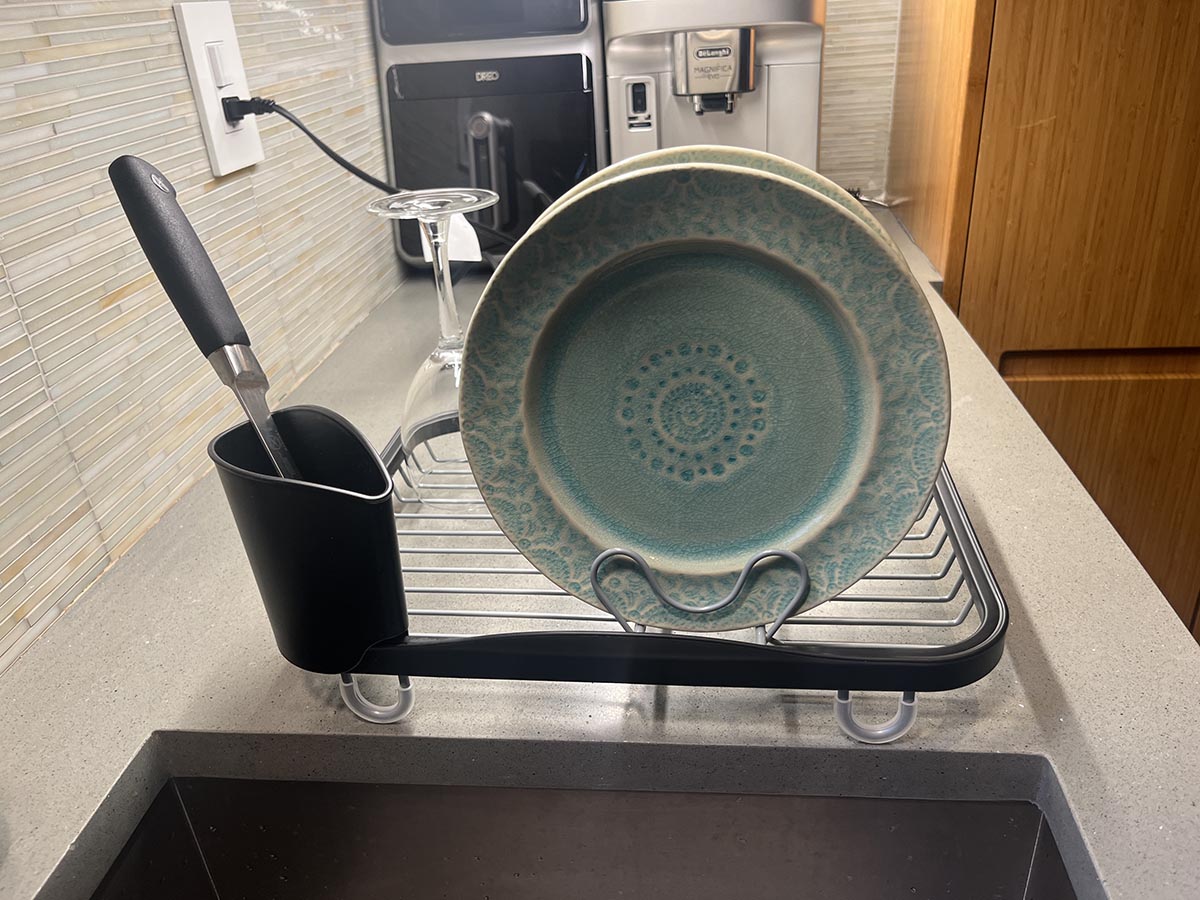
point(693, 413)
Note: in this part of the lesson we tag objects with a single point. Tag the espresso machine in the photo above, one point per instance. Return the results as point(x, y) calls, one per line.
point(743, 73)
point(506, 95)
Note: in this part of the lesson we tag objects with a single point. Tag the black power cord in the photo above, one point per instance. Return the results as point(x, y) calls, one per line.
point(236, 109)
point(857, 194)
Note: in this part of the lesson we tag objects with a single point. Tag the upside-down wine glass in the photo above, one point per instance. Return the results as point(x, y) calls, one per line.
point(429, 429)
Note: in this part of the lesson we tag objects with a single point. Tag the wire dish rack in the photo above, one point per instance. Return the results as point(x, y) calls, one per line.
point(929, 617)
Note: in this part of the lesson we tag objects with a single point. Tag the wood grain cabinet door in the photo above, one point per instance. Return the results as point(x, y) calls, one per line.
point(1128, 424)
point(1082, 273)
point(1085, 219)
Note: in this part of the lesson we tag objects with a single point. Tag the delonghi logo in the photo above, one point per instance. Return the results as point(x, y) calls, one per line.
point(487, 75)
point(713, 52)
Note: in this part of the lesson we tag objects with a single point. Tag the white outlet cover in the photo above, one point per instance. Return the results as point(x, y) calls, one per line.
point(230, 147)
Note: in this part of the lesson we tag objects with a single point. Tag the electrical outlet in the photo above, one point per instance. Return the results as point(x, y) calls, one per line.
point(214, 64)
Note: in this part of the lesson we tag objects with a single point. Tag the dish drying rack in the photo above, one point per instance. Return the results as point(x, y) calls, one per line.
point(929, 617)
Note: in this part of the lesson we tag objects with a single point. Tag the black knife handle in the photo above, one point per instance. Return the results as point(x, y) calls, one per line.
point(176, 254)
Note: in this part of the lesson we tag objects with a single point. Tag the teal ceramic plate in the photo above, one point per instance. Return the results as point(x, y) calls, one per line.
point(700, 362)
point(732, 156)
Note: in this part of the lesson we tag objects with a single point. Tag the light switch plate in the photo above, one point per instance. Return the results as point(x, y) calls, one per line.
point(207, 34)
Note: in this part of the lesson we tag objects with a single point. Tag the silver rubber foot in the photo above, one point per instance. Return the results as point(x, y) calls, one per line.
point(373, 712)
point(891, 730)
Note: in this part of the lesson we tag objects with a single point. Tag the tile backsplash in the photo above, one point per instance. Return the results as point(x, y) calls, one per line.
point(858, 75)
point(105, 405)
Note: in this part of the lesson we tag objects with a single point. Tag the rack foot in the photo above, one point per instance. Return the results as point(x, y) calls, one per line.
point(373, 712)
point(891, 730)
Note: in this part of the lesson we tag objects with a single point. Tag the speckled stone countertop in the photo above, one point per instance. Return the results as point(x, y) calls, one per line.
point(167, 667)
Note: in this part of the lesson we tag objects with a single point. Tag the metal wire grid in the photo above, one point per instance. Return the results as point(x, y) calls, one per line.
point(463, 576)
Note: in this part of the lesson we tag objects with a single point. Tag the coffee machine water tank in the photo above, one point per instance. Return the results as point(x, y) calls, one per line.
point(743, 73)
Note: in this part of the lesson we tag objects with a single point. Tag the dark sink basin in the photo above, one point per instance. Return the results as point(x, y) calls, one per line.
point(222, 839)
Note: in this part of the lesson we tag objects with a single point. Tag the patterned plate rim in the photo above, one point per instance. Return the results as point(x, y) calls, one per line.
point(671, 156)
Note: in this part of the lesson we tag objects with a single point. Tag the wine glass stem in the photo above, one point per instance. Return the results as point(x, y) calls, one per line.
point(437, 232)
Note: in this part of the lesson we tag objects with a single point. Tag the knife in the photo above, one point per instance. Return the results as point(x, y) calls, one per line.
point(198, 294)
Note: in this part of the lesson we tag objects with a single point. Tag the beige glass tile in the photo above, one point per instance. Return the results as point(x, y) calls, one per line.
point(57, 515)
point(25, 12)
point(92, 21)
point(76, 550)
point(107, 69)
point(80, 562)
point(858, 72)
point(105, 405)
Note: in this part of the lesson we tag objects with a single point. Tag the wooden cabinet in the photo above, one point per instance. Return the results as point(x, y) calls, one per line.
point(941, 72)
point(1081, 257)
point(1128, 423)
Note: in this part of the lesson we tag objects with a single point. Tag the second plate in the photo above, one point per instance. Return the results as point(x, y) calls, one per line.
point(732, 156)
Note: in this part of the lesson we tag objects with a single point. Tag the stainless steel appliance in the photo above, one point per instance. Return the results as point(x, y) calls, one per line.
point(744, 73)
point(506, 95)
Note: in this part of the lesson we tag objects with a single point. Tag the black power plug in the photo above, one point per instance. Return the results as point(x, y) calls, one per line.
point(236, 109)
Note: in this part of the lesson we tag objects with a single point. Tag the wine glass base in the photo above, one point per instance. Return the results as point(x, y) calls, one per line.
point(433, 203)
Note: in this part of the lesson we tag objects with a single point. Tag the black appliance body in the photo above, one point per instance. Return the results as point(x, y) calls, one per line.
point(500, 94)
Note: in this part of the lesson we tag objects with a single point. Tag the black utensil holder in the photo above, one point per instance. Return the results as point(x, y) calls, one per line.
point(323, 549)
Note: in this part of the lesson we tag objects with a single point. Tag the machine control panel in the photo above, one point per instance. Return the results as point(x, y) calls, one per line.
point(640, 104)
